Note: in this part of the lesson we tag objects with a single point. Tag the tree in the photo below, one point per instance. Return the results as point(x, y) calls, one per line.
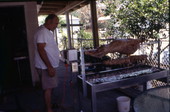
point(85, 39)
point(83, 14)
point(138, 18)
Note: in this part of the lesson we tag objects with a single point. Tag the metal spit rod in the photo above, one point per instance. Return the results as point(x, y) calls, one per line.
point(83, 72)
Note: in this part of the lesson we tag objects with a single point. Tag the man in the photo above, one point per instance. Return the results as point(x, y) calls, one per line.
point(47, 57)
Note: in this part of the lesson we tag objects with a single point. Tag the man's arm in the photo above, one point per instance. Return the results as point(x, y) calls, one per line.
point(44, 57)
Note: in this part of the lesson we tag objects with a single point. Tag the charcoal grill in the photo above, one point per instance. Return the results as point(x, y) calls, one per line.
point(98, 81)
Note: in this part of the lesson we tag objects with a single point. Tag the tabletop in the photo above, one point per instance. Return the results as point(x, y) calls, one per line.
point(153, 100)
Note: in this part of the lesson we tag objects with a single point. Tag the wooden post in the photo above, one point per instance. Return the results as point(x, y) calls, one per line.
point(94, 23)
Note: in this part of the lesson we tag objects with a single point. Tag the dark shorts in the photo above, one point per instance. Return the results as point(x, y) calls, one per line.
point(47, 81)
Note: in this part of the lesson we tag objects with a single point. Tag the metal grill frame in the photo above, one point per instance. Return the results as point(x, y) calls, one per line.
point(93, 89)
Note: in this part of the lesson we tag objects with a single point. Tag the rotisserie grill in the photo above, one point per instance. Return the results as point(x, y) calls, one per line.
point(103, 75)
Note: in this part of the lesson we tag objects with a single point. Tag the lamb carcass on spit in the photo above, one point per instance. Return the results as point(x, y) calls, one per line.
point(126, 60)
point(122, 46)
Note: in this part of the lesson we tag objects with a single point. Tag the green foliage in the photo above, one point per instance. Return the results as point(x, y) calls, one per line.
point(139, 18)
point(85, 39)
point(61, 21)
point(64, 40)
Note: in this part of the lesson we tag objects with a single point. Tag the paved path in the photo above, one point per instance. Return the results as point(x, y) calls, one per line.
point(66, 96)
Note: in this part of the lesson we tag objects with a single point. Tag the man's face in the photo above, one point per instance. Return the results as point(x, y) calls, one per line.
point(53, 23)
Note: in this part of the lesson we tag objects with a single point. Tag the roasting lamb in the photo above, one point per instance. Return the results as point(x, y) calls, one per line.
point(126, 60)
point(120, 61)
point(135, 58)
point(122, 46)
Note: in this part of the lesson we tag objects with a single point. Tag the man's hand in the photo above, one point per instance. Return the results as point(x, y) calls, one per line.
point(44, 57)
point(51, 71)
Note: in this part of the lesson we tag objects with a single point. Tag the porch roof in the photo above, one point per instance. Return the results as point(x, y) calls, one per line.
point(59, 6)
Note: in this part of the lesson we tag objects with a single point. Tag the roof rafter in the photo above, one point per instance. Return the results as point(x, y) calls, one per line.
point(61, 7)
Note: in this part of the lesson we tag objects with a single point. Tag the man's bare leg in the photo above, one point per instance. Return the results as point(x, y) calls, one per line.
point(47, 95)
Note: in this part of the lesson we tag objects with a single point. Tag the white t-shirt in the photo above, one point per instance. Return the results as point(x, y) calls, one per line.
point(43, 35)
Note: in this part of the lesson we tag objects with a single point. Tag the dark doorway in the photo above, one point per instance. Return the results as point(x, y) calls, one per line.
point(14, 61)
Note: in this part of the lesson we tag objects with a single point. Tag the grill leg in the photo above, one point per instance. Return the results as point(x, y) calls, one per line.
point(93, 100)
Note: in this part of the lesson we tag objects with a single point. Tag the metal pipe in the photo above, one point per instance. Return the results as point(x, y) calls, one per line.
point(83, 72)
point(159, 51)
point(68, 30)
point(168, 74)
point(72, 40)
point(55, 35)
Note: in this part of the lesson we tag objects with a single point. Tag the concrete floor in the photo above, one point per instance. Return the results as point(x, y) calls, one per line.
point(66, 96)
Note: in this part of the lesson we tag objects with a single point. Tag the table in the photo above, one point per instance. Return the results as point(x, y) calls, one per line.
point(153, 100)
point(18, 59)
